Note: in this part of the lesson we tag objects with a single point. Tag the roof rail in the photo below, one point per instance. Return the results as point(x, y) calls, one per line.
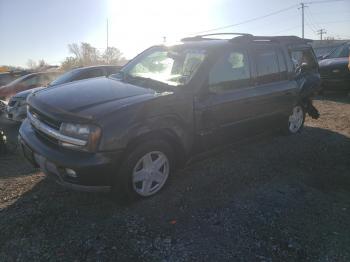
point(249, 37)
point(280, 39)
point(201, 37)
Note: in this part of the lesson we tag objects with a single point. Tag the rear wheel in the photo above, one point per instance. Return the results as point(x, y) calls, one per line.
point(296, 119)
point(144, 171)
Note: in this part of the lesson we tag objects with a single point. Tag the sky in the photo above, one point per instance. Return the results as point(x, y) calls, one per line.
point(42, 29)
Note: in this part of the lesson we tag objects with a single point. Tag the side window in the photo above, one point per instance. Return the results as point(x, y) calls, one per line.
point(282, 65)
point(90, 74)
point(267, 66)
point(33, 80)
point(44, 79)
point(112, 70)
point(230, 72)
point(303, 56)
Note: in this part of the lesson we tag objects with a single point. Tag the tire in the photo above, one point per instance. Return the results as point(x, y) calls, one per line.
point(296, 119)
point(141, 175)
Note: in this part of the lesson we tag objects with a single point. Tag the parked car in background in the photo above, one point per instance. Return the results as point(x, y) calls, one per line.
point(16, 108)
point(7, 77)
point(86, 72)
point(127, 133)
point(334, 70)
point(26, 82)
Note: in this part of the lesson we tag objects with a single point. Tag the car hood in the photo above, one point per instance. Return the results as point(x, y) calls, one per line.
point(25, 93)
point(89, 98)
point(334, 62)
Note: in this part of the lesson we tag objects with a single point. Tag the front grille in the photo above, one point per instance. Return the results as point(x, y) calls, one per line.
point(45, 119)
point(54, 124)
point(45, 138)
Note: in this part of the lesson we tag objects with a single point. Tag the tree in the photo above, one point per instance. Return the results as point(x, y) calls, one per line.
point(42, 63)
point(87, 55)
point(113, 56)
point(69, 63)
point(31, 64)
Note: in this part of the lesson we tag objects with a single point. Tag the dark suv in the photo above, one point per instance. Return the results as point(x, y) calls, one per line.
point(335, 70)
point(128, 132)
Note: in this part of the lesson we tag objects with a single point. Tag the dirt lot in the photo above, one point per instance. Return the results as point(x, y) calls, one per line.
point(279, 199)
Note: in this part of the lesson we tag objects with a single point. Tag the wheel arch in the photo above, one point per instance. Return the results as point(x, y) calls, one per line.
point(165, 134)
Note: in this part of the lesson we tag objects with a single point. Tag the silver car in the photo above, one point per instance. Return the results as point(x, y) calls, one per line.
point(16, 107)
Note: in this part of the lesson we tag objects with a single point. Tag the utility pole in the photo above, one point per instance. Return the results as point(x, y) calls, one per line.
point(107, 44)
point(302, 19)
point(321, 32)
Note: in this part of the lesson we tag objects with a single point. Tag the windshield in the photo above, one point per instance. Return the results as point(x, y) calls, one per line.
point(20, 79)
point(65, 78)
point(172, 66)
point(341, 51)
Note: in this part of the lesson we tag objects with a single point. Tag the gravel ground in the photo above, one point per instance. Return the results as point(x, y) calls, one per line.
point(284, 198)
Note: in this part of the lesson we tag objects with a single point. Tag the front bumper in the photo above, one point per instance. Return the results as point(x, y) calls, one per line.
point(335, 84)
point(94, 171)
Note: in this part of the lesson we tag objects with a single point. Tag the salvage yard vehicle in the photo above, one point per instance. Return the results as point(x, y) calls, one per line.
point(16, 109)
point(129, 132)
point(334, 69)
point(26, 82)
point(7, 77)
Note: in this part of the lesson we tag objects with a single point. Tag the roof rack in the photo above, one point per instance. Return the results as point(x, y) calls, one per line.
point(250, 37)
point(203, 37)
point(280, 39)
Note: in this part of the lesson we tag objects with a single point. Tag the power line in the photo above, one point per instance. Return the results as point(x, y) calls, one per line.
point(247, 21)
point(323, 1)
point(311, 18)
point(335, 22)
point(286, 30)
point(302, 4)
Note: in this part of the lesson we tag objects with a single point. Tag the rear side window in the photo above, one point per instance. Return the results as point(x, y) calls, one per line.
point(231, 72)
point(267, 66)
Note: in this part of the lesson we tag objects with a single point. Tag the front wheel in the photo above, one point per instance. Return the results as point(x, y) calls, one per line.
point(144, 171)
point(296, 120)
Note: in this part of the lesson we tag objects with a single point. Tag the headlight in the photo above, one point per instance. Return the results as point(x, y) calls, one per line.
point(88, 133)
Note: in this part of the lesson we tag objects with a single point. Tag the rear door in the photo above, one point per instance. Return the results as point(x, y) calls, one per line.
point(275, 91)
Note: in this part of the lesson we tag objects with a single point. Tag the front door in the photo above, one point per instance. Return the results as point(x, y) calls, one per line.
point(227, 110)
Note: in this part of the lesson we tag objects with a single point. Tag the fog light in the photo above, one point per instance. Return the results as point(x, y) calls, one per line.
point(71, 173)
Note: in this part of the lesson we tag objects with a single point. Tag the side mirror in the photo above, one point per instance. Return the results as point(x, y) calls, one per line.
point(304, 67)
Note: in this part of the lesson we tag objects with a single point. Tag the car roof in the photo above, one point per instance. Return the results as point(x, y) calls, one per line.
point(209, 40)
